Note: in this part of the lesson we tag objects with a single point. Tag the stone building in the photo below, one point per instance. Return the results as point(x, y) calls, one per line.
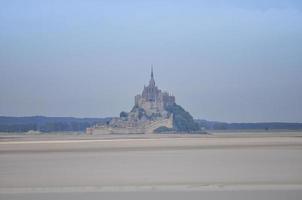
point(153, 100)
point(149, 113)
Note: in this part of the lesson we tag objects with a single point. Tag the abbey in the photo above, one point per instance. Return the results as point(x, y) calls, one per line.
point(153, 109)
point(153, 101)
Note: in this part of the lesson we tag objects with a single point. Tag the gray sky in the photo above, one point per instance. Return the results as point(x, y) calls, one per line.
point(232, 60)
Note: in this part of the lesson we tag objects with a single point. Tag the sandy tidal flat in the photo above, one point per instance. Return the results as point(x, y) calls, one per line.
point(222, 167)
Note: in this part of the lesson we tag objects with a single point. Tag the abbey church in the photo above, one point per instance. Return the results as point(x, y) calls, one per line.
point(153, 101)
point(151, 111)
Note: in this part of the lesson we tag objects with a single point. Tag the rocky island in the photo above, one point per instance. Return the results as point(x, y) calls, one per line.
point(153, 111)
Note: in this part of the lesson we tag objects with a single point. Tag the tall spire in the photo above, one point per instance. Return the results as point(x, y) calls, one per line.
point(152, 82)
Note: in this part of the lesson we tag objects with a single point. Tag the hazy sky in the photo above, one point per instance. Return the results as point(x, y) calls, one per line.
point(232, 60)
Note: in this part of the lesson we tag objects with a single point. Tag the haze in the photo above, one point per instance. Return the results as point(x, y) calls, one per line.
point(235, 61)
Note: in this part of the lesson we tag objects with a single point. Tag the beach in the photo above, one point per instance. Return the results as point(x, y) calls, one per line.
point(222, 166)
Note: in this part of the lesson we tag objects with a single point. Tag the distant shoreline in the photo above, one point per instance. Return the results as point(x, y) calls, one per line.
point(72, 124)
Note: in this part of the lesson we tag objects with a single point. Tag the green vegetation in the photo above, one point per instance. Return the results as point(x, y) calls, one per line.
point(47, 124)
point(182, 120)
point(123, 114)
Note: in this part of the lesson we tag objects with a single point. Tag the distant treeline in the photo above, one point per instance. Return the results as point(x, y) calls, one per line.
point(211, 125)
point(47, 124)
point(53, 124)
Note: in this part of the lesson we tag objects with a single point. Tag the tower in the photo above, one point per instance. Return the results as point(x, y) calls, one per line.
point(152, 82)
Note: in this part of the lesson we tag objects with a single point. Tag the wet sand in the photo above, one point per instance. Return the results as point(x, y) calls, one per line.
point(152, 167)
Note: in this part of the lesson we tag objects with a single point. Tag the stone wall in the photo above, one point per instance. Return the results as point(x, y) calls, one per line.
point(148, 128)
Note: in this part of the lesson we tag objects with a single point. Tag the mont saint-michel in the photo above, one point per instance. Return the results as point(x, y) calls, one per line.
point(154, 110)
